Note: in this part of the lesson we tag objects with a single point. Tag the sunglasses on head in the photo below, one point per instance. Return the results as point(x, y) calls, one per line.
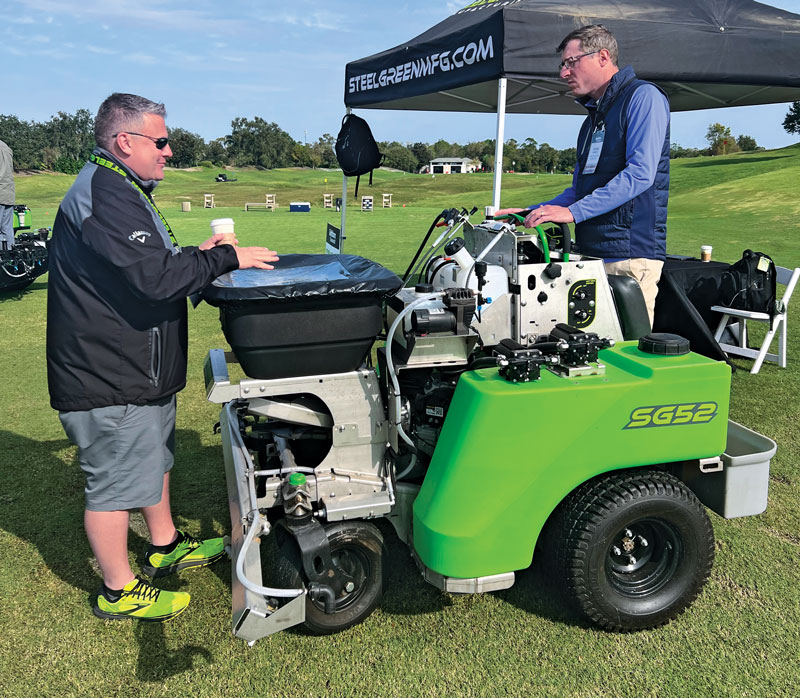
point(160, 143)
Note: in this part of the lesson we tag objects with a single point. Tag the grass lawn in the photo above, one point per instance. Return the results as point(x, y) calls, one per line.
point(740, 638)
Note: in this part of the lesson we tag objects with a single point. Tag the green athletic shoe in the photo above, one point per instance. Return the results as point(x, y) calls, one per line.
point(140, 600)
point(187, 552)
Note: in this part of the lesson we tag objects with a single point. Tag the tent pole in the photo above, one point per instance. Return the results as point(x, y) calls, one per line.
point(498, 147)
point(344, 196)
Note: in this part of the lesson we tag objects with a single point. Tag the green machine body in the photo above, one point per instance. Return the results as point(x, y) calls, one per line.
point(509, 453)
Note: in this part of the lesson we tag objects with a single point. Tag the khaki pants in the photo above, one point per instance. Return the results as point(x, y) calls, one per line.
point(647, 272)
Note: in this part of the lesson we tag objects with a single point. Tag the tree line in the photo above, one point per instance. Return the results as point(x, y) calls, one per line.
point(65, 141)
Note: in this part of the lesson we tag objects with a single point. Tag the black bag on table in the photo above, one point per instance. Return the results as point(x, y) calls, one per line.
point(750, 284)
point(356, 149)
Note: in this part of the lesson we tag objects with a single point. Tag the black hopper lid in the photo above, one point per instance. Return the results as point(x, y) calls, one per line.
point(298, 276)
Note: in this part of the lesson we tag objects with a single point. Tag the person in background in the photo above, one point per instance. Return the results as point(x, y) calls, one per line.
point(620, 186)
point(117, 346)
point(6, 196)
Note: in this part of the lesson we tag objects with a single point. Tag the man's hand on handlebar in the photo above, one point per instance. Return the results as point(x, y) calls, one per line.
point(506, 211)
point(548, 214)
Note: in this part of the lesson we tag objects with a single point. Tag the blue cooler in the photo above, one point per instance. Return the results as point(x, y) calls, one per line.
point(300, 206)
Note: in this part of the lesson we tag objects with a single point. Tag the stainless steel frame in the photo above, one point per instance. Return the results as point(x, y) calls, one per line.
point(352, 481)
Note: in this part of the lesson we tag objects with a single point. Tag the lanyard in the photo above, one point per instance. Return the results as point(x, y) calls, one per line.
point(111, 166)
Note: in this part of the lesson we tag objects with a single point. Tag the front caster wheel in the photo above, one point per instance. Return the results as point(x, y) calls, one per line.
point(635, 549)
point(357, 548)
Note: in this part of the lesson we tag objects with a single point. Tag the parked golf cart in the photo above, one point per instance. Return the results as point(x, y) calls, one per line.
point(513, 403)
point(27, 259)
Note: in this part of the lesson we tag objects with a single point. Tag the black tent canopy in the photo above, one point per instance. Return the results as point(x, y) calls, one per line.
point(499, 56)
point(703, 53)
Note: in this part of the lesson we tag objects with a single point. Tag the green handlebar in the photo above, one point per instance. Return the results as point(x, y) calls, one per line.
point(565, 243)
point(545, 244)
point(509, 216)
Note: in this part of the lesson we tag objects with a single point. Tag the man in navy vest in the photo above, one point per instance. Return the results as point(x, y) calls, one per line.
point(620, 187)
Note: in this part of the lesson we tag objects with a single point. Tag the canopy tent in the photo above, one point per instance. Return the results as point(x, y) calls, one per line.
point(499, 56)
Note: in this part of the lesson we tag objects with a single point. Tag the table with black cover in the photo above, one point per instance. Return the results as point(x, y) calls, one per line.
point(686, 292)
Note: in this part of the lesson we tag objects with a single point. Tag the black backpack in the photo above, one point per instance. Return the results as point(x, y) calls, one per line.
point(749, 284)
point(356, 149)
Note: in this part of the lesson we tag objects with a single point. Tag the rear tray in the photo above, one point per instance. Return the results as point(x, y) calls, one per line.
point(740, 487)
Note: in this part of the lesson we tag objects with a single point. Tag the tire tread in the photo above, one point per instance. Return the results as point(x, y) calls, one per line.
point(583, 512)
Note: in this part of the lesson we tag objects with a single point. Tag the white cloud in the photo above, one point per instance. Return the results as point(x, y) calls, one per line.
point(249, 88)
point(101, 49)
point(141, 58)
point(133, 13)
point(313, 20)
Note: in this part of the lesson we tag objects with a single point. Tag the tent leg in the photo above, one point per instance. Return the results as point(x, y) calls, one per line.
point(498, 148)
point(344, 199)
point(344, 209)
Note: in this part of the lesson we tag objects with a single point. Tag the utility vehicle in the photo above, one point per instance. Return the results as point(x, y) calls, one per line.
point(516, 399)
point(27, 259)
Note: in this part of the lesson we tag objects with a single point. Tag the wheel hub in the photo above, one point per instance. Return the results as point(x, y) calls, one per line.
point(630, 550)
point(643, 557)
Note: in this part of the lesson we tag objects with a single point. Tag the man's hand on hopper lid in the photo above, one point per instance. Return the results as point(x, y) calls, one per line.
point(256, 257)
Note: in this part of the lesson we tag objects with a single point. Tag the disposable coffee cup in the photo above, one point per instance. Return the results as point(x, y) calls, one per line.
point(224, 226)
point(705, 253)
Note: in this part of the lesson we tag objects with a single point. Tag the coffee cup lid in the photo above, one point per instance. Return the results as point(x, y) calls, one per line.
point(222, 221)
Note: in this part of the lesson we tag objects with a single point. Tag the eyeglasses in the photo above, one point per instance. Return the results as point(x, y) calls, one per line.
point(572, 60)
point(161, 143)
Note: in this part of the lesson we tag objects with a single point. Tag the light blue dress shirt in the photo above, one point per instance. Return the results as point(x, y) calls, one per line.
point(648, 116)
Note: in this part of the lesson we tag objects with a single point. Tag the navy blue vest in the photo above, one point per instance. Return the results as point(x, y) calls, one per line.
point(638, 228)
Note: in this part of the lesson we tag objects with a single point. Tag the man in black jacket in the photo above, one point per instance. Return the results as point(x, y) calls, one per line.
point(117, 348)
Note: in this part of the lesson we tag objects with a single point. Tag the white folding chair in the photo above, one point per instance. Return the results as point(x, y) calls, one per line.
point(737, 320)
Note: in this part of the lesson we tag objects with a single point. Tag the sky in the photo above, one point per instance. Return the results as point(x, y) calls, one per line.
point(210, 61)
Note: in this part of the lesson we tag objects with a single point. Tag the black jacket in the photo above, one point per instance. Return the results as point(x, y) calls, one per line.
point(116, 299)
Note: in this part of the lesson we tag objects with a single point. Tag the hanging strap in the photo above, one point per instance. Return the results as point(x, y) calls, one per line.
point(102, 162)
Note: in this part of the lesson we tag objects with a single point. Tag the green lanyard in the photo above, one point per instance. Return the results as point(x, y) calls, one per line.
point(111, 166)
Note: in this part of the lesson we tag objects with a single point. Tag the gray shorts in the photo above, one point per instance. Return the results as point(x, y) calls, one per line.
point(124, 450)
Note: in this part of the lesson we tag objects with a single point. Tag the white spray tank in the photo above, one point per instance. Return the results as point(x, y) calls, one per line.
point(457, 270)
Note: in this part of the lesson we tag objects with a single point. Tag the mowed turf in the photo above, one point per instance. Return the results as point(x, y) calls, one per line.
point(740, 638)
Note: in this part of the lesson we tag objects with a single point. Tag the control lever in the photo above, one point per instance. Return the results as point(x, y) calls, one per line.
point(552, 270)
point(480, 274)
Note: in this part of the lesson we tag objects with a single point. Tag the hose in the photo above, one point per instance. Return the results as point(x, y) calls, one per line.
point(259, 526)
point(442, 215)
point(390, 364)
point(446, 235)
point(483, 362)
point(545, 244)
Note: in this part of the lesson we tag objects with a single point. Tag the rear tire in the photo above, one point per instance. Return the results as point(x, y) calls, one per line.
point(635, 549)
point(356, 546)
